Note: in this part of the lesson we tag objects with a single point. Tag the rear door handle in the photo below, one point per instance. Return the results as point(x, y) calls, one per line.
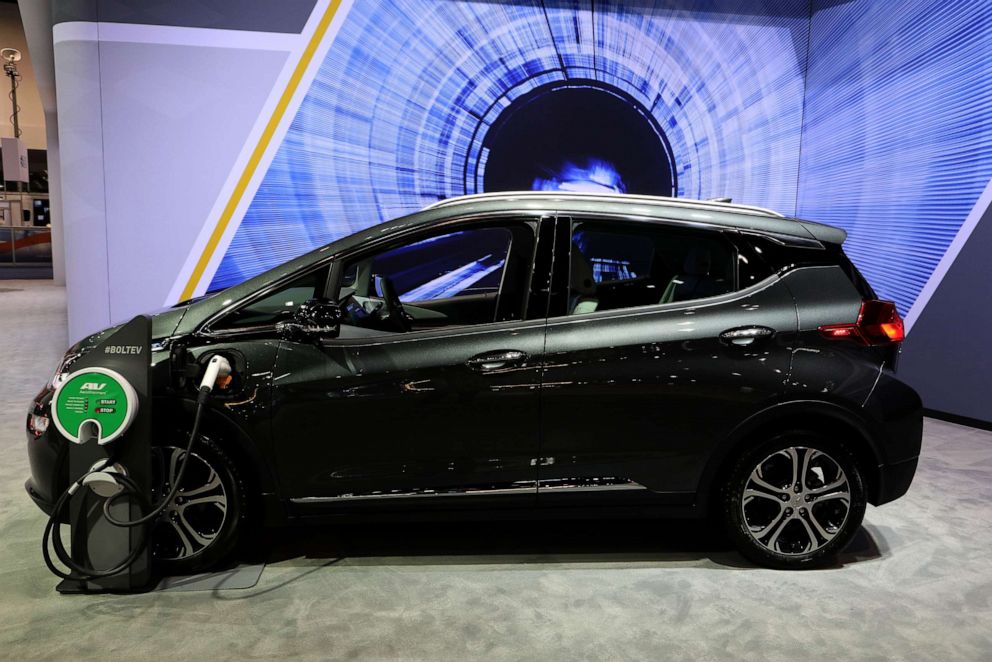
point(501, 358)
point(746, 335)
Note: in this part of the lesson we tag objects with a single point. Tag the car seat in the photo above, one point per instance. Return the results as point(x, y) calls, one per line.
point(695, 281)
point(582, 288)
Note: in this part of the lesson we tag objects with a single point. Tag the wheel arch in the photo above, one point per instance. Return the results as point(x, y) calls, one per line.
point(815, 415)
point(259, 481)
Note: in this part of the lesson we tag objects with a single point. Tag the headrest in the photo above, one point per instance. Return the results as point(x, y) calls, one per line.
point(581, 273)
point(697, 262)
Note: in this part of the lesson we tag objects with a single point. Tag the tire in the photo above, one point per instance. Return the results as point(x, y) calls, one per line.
point(780, 522)
point(197, 533)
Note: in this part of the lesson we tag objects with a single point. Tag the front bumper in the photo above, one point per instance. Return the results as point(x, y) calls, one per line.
point(48, 459)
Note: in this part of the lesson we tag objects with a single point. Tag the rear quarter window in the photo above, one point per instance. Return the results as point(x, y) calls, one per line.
point(778, 257)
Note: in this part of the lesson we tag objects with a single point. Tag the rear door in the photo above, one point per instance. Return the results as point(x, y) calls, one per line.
point(656, 354)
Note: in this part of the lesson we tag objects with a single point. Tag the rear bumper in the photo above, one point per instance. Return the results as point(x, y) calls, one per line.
point(897, 413)
point(894, 480)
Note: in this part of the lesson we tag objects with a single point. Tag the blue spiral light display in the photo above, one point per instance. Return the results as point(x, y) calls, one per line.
point(401, 110)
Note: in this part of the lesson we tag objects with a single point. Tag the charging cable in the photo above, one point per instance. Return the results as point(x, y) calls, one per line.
point(218, 368)
point(53, 529)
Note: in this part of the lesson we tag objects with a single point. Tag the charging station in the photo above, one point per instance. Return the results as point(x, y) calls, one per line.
point(104, 408)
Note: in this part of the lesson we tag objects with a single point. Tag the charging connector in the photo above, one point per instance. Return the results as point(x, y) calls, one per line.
point(218, 372)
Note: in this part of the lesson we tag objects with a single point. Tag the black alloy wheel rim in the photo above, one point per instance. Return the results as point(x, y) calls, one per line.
point(795, 501)
point(191, 523)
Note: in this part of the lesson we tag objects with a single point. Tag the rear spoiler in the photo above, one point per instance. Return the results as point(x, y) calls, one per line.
point(824, 233)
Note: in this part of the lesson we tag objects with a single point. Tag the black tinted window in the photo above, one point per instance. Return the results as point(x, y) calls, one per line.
point(614, 255)
point(623, 265)
point(454, 278)
point(279, 305)
point(457, 264)
point(781, 257)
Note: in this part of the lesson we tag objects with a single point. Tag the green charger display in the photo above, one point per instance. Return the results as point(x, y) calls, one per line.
point(94, 402)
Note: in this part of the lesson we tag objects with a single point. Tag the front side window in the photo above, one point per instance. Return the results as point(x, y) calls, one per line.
point(624, 265)
point(459, 264)
point(277, 306)
point(455, 278)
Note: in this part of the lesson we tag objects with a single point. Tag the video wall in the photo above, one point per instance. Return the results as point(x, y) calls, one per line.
point(897, 142)
point(421, 100)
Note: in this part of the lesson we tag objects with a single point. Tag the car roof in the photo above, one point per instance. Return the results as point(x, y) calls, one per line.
point(647, 207)
point(602, 196)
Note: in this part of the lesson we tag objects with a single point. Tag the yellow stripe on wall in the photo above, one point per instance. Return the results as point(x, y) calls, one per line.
point(259, 151)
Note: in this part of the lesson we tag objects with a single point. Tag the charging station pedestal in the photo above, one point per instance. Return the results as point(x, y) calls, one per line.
point(95, 542)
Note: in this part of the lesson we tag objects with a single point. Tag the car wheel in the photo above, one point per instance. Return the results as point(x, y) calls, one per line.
point(200, 528)
point(794, 502)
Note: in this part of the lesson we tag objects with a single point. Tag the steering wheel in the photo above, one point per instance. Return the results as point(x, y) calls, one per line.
point(395, 315)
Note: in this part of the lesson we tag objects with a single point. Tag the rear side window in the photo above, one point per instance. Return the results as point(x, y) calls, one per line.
point(624, 265)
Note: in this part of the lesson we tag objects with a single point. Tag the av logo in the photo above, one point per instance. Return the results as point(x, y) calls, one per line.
point(92, 386)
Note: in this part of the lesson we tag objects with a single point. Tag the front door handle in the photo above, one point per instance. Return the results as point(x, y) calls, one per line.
point(746, 335)
point(497, 360)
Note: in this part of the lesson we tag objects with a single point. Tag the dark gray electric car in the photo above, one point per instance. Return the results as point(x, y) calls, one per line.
point(516, 352)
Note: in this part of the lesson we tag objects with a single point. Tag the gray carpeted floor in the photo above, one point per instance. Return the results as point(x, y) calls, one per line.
point(916, 584)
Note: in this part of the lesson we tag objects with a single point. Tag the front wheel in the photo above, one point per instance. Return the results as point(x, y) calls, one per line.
point(200, 528)
point(794, 502)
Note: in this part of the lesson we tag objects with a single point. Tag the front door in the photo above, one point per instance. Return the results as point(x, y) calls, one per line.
point(430, 402)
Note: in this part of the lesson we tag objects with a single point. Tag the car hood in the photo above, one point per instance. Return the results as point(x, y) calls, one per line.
point(164, 324)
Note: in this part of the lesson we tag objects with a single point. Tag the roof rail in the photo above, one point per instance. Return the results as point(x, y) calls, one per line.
point(712, 205)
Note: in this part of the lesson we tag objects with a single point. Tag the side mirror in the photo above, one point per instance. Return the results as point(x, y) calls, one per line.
point(316, 318)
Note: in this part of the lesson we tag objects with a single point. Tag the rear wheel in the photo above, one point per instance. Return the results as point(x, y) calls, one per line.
point(200, 528)
point(794, 502)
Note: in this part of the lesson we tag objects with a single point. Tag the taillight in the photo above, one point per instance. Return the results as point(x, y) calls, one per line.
point(878, 324)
